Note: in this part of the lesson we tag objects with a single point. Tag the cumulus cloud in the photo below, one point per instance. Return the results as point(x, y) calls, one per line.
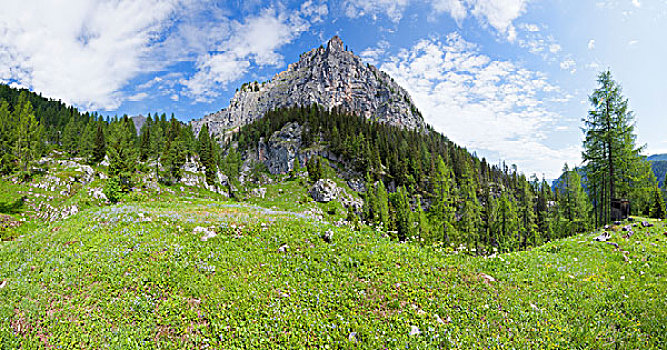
point(498, 14)
point(255, 40)
point(83, 52)
point(496, 107)
point(97, 47)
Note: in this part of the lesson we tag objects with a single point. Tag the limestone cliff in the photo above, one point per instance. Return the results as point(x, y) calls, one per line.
point(331, 77)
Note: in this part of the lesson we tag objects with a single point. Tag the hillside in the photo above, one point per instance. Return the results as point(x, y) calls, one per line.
point(329, 77)
point(191, 272)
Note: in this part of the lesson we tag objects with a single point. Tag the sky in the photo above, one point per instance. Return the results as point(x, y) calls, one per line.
point(508, 79)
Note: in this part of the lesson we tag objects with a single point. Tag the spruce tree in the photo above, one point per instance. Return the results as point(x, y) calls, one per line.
point(122, 153)
point(70, 138)
point(658, 210)
point(100, 146)
point(206, 156)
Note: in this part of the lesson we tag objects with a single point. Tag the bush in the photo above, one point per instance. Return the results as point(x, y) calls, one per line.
point(112, 189)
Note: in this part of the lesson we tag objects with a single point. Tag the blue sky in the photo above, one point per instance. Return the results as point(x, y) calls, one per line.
point(508, 79)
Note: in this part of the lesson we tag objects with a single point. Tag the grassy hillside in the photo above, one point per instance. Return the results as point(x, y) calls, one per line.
point(138, 275)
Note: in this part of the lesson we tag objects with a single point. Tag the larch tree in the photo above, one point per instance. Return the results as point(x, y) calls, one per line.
point(609, 145)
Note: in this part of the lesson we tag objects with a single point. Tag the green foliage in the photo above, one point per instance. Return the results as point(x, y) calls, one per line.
point(658, 210)
point(113, 189)
point(609, 147)
point(314, 167)
point(121, 151)
point(207, 154)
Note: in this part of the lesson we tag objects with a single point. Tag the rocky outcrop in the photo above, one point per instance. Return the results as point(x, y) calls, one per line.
point(325, 190)
point(331, 77)
point(283, 147)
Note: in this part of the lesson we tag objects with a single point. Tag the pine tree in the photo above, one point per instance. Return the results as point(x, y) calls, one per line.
point(443, 209)
point(7, 136)
point(470, 218)
point(382, 198)
point(70, 138)
point(28, 143)
point(609, 145)
point(404, 221)
point(508, 222)
point(145, 139)
point(100, 146)
point(658, 210)
point(122, 153)
point(206, 156)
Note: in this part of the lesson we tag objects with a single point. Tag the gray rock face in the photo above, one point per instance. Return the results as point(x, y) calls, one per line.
point(283, 147)
point(331, 77)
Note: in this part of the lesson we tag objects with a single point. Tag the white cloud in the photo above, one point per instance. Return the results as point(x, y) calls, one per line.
point(257, 39)
point(372, 55)
point(633, 42)
point(555, 48)
point(498, 14)
point(137, 97)
point(569, 65)
point(591, 44)
point(316, 12)
point(496, 107)
point(393, 9)
point(84, 52)
point(636, 3)
point(530, 27)
point(456, 8)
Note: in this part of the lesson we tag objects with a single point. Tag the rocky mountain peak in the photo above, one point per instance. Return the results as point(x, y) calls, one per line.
point(335, 44)
point(331, 77)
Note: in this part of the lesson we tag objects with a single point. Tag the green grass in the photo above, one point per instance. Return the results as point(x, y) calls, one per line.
point(135, 276)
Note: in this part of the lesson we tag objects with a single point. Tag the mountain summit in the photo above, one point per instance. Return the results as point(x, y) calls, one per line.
point(331, 77)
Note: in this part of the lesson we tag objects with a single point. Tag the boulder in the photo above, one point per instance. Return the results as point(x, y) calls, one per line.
point(324, 190)
point(258, 192)
point(205, 232)
point(605, 236)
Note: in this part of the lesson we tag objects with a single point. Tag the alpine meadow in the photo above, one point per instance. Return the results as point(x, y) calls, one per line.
point(475, 177)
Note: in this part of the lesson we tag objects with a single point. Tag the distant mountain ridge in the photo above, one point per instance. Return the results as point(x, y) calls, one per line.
point(330, 77)
point(656, 157)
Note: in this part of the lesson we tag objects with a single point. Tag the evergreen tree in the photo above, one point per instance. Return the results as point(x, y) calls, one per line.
point(507, 223)
point(28, 143)
point(382, 198)
point(206, 156)
point(470, 208)
point(609, 145)
point(100, 146)
point(443, 209)
point(145, 139)
point(122, 153)
point(70, 138)
point(404, 222)
point(7, 137)
point(658, 210)
point(314, 168)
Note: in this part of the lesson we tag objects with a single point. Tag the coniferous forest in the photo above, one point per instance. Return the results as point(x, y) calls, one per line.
point(419, 185)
